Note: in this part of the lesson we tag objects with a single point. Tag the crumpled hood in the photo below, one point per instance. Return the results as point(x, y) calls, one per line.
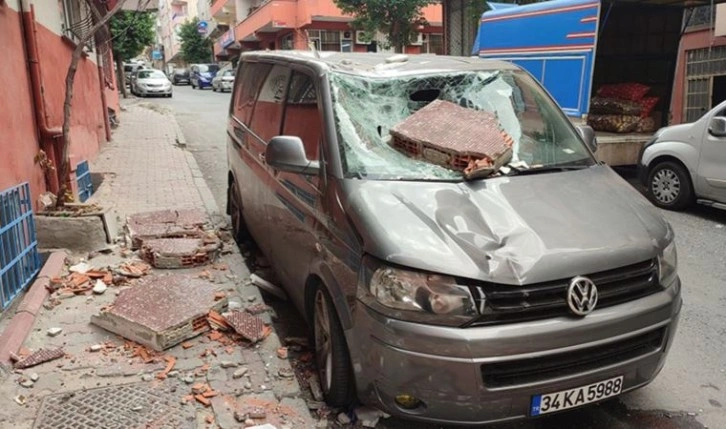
point(511, 230)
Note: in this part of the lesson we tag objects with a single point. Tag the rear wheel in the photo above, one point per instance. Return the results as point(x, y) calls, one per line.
point(331, 352)
point(669, 186)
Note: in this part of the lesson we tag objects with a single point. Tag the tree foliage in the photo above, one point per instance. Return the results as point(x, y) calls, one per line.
point(132, 32)
point(195, 48)
point(396, 19)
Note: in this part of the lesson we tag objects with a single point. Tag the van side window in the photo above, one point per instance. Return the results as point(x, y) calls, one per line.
point(302, 116)
point(251, 77)
point(266, 119)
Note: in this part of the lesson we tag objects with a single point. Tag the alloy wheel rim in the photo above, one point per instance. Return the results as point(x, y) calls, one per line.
point(323, 344)
point(666, 186)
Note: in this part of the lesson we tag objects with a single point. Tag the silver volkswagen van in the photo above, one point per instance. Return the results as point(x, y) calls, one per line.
point(542, 284)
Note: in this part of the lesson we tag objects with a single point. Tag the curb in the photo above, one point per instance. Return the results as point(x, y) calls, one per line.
point(12, 338)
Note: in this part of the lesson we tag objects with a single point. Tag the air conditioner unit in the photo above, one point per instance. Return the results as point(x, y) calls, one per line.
point(363, 38)
point(419, 40)
point(346, 35)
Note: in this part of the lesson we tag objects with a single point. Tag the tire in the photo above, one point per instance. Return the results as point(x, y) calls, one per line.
point(234, 204)
point(669, 186)
point(331, 352)
point(214, 89)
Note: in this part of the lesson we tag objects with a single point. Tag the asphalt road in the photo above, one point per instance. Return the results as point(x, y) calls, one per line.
point(690, 392)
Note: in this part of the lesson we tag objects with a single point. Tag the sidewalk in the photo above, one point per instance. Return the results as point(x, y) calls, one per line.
point(104, 381)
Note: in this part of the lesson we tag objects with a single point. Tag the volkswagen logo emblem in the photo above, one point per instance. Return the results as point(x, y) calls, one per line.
point(582, 295)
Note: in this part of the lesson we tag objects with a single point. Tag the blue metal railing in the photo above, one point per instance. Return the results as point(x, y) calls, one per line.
point(83, 177)
point(19, 261)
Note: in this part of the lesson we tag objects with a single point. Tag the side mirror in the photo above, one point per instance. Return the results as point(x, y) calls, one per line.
point(717, 127)
point(588, 135)
point(287, 153)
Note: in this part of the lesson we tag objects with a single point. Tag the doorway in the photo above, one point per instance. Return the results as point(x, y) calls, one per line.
point(718, 94)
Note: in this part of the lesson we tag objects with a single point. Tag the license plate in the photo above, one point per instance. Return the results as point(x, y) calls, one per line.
point(565, 399)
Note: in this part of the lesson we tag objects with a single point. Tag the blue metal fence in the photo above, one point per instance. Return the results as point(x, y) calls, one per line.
point(83, 177)
point(19, 261)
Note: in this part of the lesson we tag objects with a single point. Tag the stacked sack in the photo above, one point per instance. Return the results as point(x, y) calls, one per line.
point(623, 108)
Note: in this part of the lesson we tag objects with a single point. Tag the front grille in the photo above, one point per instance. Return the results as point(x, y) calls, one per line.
point(523, 371)
point(510, 304)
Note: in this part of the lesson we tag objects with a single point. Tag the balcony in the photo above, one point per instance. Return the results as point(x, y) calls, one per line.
point(271, 17)
point(224, 11)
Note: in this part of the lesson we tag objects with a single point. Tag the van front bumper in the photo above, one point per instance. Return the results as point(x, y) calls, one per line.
point(451, 370)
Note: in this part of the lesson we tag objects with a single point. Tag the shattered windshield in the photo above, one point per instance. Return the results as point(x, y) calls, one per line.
point(381, 138)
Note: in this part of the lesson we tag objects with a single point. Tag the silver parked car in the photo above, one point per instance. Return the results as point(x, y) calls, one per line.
point(686, 163)
point(223, 81)
point(151, 82)
point(545, 285)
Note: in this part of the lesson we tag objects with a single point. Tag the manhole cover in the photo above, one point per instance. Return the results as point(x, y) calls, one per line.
point(138, 405)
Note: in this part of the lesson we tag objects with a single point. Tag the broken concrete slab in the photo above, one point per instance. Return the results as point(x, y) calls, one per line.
point(164, 224)
point(38, 357)
point(249, 327)
point(170, 253)
point(160, 312)
point(183, 217)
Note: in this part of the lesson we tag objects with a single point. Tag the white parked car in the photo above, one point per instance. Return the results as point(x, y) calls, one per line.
point(151, 82)
point(686, 163)
point(224, 81)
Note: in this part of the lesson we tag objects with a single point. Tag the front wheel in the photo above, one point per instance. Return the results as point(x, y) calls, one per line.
point(669, 186)
point(234, 207)
point(331, 352)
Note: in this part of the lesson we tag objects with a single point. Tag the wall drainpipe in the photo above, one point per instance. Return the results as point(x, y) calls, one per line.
point(104, 102)
point(48, 135)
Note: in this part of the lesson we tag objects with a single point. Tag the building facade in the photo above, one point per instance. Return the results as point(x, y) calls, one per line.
point(171, 15)
point(700, 78)
point(37, 38)
point(295, 24)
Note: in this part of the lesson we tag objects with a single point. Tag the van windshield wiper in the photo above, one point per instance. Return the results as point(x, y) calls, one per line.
point(518, 171)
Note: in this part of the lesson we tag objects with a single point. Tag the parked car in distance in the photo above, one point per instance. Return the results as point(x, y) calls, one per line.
point(179, 76)
point(151, 82)
point(544, 285)
point(223, 81)
point(130, 70)
point(686, 163)
point(201, 75)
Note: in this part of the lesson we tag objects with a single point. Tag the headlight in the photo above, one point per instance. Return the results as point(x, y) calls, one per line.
point(415, 296)
point(668, 265)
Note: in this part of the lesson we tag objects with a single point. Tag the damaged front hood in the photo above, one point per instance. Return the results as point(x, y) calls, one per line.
point(511, 230)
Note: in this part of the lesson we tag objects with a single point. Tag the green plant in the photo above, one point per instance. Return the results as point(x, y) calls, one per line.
point(195, 48)
point(397, 19)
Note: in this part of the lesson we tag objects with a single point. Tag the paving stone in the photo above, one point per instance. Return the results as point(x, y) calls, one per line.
point(239, 373)
point(52, 332)
point(160, 312)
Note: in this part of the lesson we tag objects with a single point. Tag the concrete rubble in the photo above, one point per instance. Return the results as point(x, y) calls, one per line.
point(162, 311)
point(164, 224)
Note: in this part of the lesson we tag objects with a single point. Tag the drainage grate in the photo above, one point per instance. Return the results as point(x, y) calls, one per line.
point(138, 405)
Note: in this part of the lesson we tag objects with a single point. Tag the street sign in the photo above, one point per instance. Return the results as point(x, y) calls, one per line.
point(202, 27)
point(156, 55)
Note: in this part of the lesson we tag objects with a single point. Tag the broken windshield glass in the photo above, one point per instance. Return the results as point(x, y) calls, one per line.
point(368, 107)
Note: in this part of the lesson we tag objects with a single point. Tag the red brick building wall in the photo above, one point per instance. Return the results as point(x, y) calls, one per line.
point(20, 137)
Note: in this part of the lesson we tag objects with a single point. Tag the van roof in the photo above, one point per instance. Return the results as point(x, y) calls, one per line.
point(379, 64)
